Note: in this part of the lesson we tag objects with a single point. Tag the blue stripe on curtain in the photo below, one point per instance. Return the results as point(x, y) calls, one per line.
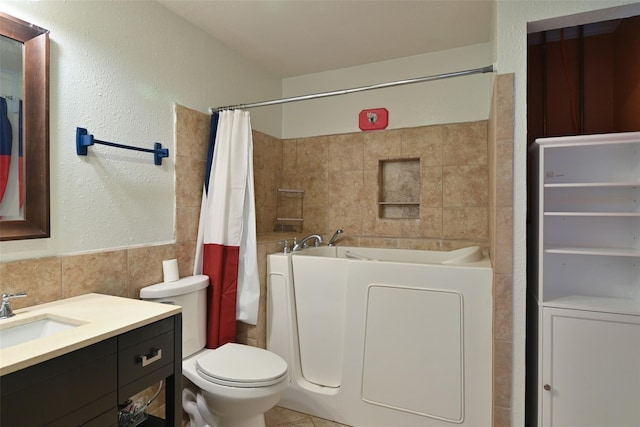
point(6, 134)
point(20, 128)
point(212, 144)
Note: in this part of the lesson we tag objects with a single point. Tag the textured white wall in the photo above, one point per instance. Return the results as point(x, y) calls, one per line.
point(513, 17)
point(117, 68)
point(444, 101)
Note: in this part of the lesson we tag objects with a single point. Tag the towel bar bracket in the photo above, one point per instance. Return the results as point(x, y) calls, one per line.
point(85, 139)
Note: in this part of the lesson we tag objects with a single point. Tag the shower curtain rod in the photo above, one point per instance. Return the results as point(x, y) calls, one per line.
point(487, 69)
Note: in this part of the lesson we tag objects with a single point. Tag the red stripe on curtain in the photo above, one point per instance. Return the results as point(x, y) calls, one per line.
point(220, 263)
point(5, 162)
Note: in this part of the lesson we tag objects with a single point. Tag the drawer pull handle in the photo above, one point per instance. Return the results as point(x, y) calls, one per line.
point(148, 359)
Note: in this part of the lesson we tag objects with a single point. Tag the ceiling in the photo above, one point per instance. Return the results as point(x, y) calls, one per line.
point(295, 37)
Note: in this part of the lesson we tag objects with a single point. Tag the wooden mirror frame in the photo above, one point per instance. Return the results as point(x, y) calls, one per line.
point(36, 222)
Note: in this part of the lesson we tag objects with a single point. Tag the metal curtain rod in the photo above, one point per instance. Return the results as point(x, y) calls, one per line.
point(487, 69)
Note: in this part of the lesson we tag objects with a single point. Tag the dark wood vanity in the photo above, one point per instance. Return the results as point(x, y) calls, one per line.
point(85, 387)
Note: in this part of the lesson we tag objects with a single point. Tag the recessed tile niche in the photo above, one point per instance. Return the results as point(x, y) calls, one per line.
point(399, 189)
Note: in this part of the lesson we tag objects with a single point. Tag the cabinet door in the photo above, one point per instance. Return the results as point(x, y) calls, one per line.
point(590, 372)
point(65, 391)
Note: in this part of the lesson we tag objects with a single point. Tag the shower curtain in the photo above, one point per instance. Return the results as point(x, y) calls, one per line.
point(227, 250)
point(6, 143)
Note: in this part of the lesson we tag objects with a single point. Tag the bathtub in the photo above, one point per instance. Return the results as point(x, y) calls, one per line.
point(384, 337)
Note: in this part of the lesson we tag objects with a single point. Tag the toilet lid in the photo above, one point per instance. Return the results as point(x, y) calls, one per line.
point(238, 365)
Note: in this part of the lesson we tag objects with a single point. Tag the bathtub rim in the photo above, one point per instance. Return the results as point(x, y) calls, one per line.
point(469, 256)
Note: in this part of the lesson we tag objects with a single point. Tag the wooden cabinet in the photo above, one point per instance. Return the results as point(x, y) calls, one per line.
point(84, 387)
point(584, 282)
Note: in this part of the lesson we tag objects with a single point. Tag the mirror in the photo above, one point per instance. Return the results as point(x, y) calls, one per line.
point(33, 222)
point(11, 160)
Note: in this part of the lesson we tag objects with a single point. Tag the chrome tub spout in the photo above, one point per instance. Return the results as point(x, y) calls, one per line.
point(304, 243)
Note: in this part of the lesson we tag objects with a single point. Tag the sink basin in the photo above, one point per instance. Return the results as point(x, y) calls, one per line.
point(38, 327)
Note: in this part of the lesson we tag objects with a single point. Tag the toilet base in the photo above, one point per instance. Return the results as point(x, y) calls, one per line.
point(199, 415)
point(257, 421)
point(254, 423)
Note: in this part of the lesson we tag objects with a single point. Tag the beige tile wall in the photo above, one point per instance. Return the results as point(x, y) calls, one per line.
point(501, 242)
point(267, 173)
point(192, 142)
point(340, 177)
point(120, 272)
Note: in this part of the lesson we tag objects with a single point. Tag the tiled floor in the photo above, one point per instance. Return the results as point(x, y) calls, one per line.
point(283, 417)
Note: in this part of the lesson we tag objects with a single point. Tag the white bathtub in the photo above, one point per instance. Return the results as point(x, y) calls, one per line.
point(384, 337)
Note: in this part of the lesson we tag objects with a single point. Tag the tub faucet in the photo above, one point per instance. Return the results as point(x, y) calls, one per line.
point(304, 243)
point(5, 308)
point(335, 236)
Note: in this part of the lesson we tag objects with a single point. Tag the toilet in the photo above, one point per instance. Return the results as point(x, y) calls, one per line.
point(230, 386)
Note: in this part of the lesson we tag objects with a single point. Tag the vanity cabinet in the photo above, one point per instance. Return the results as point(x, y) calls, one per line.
point(584, 284)
point(84, 387)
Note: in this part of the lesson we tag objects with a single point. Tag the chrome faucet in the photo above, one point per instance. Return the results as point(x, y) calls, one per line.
point(304, 243)
point(335, 236)
point(5, 308)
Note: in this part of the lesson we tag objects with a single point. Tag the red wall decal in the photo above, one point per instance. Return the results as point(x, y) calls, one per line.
point(374, 119)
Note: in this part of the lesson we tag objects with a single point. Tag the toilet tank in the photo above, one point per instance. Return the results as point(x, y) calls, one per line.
point(191, 294)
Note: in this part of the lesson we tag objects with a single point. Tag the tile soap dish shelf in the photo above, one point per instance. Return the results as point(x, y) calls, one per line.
point(289, 216)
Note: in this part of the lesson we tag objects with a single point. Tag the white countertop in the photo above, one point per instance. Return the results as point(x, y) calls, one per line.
point(99, 317)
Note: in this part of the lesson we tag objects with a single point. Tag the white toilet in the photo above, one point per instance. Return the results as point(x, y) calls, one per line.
point(231, 386)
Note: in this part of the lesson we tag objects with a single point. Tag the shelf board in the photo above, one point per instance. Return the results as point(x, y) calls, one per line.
point(620, 184)
point(286, 190)
point(610, 139)
point(399, 203)
point(594, 214)
point(600, 304)
point(626, 252)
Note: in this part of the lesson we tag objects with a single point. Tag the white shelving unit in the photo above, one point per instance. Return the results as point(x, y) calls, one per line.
point(586, 265)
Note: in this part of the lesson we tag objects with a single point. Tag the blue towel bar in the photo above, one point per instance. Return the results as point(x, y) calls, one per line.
point(85, 139)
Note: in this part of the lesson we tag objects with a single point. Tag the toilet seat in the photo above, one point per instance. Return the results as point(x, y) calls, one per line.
point(237, 365)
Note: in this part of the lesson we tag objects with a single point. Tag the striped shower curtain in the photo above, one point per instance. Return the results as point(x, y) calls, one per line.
point(227, 250)
point(6, 144)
